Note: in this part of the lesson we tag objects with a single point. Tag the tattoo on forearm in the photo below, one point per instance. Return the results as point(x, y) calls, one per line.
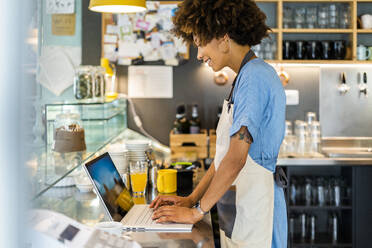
point(244, 134)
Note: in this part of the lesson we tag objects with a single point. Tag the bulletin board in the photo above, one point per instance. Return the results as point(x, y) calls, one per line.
point(143, 38)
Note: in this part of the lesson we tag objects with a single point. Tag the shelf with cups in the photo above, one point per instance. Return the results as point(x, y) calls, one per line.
point(311, 1)
point(321, 21)
point(316, 30)
point(364, 31)
point(290, 61)
point(317, 1)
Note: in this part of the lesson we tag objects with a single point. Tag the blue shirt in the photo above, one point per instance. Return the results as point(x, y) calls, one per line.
point(259, 104)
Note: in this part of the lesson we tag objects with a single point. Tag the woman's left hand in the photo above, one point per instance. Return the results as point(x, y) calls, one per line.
point(176, 214)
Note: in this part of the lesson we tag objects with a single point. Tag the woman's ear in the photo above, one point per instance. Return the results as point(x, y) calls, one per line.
point(224, 44)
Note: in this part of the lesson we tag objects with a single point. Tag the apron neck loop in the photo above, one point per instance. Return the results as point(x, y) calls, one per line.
point(250, 54)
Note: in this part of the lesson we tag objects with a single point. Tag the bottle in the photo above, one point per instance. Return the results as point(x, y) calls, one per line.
point(312, 220)
point(195, 121)
point(110, 79)
point(303, 225)
point(333, 227)
point(293, 192)
point(308, 192)
point(291, 228)
point(181, 125)
point(321, 200)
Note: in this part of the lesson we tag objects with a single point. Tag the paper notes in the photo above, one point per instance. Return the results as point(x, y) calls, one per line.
point(150, 82)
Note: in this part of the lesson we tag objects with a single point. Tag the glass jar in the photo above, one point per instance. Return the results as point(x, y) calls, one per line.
point(287, 17)
point(99, 83)
point(110, 78)
point(311, 15)
point(315, 139)
point(68, 135)
point(301, 135)
point(299, 17)
point(68, 144)
point(323, 21)
point(344, 20)
point(83, 83)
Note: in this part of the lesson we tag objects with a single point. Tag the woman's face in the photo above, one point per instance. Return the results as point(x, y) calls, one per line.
point(213, 53)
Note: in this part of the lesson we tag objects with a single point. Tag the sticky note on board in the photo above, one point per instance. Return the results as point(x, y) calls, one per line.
point(128, 49)
point(112, 29)
point(142, 24)
point(180, 45)
point(152, 20)
point(123, 20)
point(109, 51)
point(109, 38)
point(150, 81)
point(152, 6)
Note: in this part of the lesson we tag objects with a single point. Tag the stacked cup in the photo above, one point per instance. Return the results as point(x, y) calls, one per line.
point(137, 149)
point(119, 155)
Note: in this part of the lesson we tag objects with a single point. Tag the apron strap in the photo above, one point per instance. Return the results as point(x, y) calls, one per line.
point(250, 54)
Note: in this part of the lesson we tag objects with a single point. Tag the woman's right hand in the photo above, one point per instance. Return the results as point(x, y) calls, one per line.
point(162, 200)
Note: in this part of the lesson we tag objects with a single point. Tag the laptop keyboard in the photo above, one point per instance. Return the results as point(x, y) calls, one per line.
point(145, 217)
point(142, 216)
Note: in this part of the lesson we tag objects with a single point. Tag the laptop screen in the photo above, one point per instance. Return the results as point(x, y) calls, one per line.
point(110, 186)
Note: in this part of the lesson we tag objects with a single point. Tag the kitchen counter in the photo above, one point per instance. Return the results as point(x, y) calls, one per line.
point(324, 161)
point(86, 208)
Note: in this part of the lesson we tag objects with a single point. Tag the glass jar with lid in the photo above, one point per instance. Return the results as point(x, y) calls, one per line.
point(83, 83)
point(68, 135)
point(110, 78)
point(68, 145)
point(99, 83)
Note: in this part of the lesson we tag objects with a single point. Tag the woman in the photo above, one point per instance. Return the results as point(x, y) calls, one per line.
point(251, 128)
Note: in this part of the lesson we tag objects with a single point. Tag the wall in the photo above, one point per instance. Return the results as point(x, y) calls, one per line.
point(349, 114)
point(48, 39)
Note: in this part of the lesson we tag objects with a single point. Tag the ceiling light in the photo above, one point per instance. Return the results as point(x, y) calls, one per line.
point(117, 6)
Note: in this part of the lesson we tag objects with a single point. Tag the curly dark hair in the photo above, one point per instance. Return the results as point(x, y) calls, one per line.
point(242, 20)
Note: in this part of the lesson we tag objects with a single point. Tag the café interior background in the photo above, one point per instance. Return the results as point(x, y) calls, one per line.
point(193, 81)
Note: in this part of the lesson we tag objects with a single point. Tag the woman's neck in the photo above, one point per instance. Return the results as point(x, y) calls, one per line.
point(237, 54)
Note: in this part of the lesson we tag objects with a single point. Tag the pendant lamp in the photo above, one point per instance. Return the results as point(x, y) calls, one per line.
point(117, 6)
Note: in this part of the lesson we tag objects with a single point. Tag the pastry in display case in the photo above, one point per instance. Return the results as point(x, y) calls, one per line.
point(68, 142)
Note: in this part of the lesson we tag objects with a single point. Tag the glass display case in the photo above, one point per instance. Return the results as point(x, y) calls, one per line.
point(70, 200)
point(100, 120)
point(102, 123)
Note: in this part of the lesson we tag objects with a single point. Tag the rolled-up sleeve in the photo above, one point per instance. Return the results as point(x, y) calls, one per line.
point(249, 102)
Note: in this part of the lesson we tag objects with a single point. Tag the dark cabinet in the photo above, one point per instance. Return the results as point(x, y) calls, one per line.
point(362, 206)
point(322, 206)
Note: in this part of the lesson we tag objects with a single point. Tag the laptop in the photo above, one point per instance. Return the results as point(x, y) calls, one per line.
point(118, 202)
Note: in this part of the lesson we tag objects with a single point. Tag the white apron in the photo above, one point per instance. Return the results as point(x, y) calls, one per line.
point(254, 202)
